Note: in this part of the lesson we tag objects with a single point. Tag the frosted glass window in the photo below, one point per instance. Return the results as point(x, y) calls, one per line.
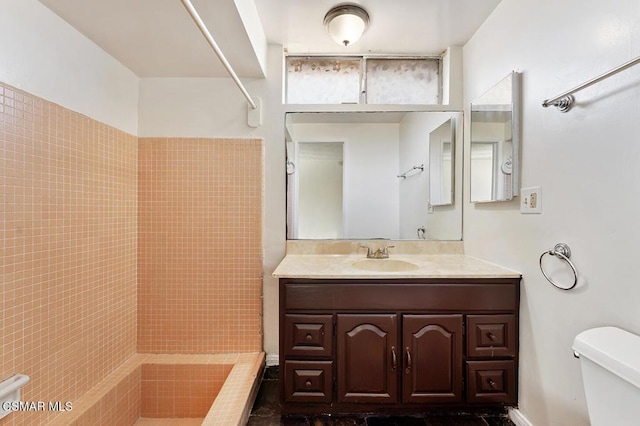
point(403, 81)
point(323, 80)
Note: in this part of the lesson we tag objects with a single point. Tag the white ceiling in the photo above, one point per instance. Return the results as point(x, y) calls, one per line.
point(424, 27)
point(157, 38)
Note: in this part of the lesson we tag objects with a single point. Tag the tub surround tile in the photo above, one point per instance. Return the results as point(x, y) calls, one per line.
point(68, 238)
point(200, 246)
point(180, 390)
point(140, 388)
point(233, 404)
point(98, 406)
point(84, 205)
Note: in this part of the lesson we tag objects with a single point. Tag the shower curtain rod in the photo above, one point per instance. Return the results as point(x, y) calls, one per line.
point(564, 102)
point(205, 32)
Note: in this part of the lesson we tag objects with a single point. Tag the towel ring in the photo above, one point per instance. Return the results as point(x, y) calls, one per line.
point(562, 251)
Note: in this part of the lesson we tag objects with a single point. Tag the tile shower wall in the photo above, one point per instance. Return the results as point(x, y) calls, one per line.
point(181, 391)
point(68, 237)
point(200, 245)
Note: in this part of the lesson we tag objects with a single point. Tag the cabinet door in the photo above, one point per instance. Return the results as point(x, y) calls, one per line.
point(367, 358)
point(432, 358)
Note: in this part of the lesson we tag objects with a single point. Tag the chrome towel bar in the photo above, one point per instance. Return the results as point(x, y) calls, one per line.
point(404, 175)
point(565, 101)
point(562, 251)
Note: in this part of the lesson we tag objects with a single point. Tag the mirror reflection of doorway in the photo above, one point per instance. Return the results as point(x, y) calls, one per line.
point(484, 170)
point(320, 183)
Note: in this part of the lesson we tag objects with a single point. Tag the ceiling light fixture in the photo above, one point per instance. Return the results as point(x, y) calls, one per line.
point(346, 23)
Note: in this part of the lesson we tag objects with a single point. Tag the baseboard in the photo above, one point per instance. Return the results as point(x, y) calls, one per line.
point(518, 418)
point(273, 359)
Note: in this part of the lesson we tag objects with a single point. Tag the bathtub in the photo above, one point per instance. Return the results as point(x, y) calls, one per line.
point(159, 389)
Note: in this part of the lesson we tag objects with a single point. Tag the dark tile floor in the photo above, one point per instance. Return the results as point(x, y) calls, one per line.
point(266, 412)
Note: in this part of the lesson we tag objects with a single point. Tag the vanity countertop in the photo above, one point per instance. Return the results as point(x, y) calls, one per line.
point(352, 266)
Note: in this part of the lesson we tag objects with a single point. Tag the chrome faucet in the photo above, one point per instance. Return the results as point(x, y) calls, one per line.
point(380, 253)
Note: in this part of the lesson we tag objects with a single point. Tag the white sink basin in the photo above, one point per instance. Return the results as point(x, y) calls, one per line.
point(384, 265)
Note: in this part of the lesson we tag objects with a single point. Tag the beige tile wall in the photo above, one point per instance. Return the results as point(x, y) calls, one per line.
point(200, 246)
point(68, 238)
point(181, 390)
point(171, 385)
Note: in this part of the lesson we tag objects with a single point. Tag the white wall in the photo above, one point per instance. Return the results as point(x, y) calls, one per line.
point(586, 162)
point(198, 107)
point(445, 223)
point(319, 173)
point(43, 55)
point(414, 190)
point(371, 200)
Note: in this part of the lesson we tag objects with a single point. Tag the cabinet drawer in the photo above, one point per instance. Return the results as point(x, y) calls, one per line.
point(491, 335)
point(390, 295)
point(308, 381)
point(491, 381)
point(308, 335)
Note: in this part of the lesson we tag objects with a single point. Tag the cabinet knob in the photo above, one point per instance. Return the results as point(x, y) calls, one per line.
point(308, 384)
point(308, 337)
point(492, 383)
point(491, 336)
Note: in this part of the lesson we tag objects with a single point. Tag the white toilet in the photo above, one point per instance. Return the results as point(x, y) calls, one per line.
point(610, 362)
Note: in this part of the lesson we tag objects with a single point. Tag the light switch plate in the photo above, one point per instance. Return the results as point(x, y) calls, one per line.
point(531, 200)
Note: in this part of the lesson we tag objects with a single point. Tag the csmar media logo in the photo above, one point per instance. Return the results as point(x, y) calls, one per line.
point(58, 406)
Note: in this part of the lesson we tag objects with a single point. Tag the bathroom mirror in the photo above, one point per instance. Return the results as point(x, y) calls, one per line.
point(441, 164)
point(368, 175)
point(495, 142)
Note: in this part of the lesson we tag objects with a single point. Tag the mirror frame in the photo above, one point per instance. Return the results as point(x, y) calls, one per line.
point(515, 138)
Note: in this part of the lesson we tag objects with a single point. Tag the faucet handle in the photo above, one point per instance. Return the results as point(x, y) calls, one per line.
point(368, 250)
point(385, 250)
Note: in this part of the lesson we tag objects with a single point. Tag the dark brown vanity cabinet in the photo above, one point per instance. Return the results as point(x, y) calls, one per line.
point(351, 345)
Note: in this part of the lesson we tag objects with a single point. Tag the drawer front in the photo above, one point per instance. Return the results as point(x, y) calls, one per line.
point(491, 381)
point(491, 335)
point(308, 335)
point(308, 381)
point(376, 296)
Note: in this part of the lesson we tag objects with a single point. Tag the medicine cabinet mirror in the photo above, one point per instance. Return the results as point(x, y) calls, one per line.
point(495, 142)
point(442, 164)
point(369, 175)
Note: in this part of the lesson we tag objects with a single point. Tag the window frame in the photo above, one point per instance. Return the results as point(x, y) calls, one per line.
point(362, 98)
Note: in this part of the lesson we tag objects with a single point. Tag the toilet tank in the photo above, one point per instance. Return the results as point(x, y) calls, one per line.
point(610, 363)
